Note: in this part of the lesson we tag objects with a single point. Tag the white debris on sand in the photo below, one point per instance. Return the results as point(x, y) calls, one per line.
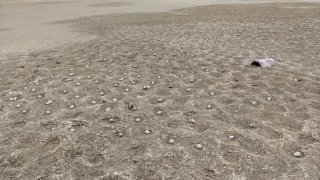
point(268, 62)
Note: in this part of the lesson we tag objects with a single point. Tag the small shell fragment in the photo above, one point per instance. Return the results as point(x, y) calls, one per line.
point(199, 146)
point(93, 102)
point(231, 137)
point(147, 131)
point(252, 125)
point(171, 141)
point(297, 154)
point(48, 102)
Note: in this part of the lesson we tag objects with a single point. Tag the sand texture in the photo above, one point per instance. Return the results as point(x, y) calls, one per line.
point(169, 96)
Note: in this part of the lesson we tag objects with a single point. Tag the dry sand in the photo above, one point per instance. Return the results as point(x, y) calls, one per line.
point(168, 96)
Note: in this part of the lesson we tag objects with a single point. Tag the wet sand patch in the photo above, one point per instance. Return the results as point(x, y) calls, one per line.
point(53, 2)
point(112, 4)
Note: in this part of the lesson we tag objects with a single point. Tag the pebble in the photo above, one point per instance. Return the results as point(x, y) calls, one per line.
point(72, 106)
point(13, 99)
point(89, 77)
point(126, 90)
point(159, 77)
point(67, 79)
point(96, 82)
point(297, 154)
point(115, 99)
point(170, 86)
point(137, 119)
point(252, 125)
point(209, 106)
point(77, 97)
point(72, 130)
point(171, 141)
point(269, 98)
point(39, 96)
point(199, 146)
point(138, 76)
point(231, 137)
point(188, 90)
point(19, 106)
point(48, 112)
point(132, 107)
point(48, 102)
point(147, 131)
point(71, 74)
point(160, 100)
point(120, 134)
point(93, 102)
point(101, 93)
point(146, 87)
point(116, 85)
point(254, 103)
point(192, 121)
point(24, 111)
point(33, 89)
point(133, 82)
point(111, 120)
point(159, 112)
point(78, 84)
point(64, 91)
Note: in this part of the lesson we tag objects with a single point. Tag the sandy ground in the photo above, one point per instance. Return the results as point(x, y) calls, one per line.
point(168, 95)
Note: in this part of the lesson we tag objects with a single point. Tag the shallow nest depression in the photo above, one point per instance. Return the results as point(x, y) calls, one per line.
point(169, 96)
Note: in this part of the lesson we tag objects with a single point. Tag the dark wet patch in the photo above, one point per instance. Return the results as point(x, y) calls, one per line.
point(112, 4)
point(53, 2)
point(4, 29)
